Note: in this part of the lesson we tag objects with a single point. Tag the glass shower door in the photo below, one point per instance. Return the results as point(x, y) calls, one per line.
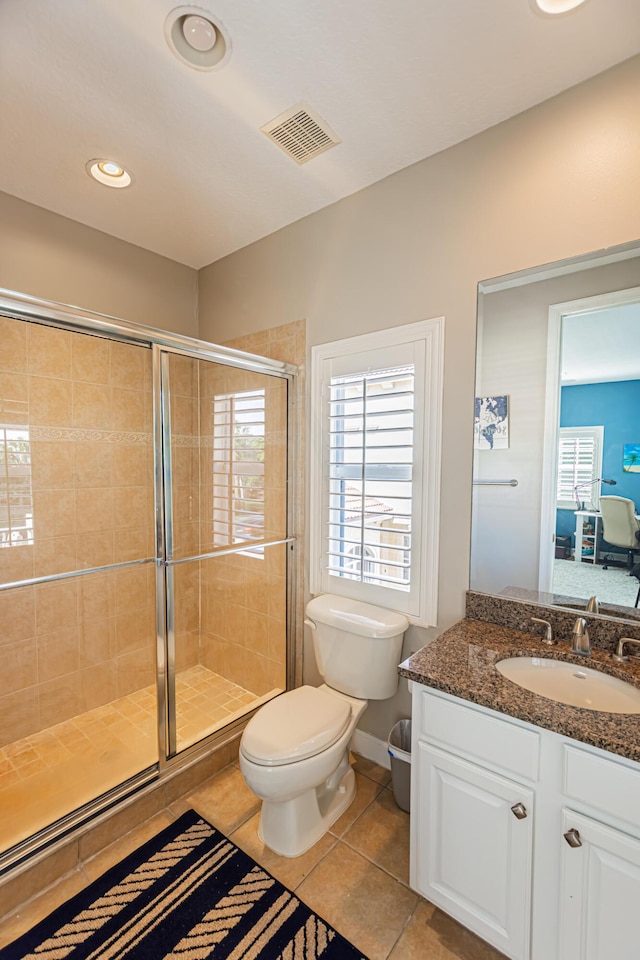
point(78, 706)
point(225, 440)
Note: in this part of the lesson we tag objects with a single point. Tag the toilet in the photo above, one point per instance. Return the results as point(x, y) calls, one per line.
point(294, 753)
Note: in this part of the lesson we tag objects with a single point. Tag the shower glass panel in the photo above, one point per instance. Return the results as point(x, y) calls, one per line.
point(226, 506)
point(78, 711)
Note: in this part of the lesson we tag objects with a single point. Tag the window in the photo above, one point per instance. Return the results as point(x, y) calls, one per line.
point(16, 500)
point(579, 463)
point(376, 419)
point(238, 467)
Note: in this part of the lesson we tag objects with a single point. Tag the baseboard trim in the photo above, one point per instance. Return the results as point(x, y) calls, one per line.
point(371, 748)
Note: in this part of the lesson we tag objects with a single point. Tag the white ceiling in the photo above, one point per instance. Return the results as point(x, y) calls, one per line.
point(397, 81)
point(601, 346)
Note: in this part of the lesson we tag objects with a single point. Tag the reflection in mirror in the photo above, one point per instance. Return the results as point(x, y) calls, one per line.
point(562, 344)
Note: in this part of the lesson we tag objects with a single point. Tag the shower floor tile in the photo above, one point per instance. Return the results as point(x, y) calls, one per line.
point(51, 773)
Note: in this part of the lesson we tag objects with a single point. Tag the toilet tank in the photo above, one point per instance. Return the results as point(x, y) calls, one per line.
point(358, 646)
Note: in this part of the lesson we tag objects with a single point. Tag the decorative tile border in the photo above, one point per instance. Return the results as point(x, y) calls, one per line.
point(74, 435)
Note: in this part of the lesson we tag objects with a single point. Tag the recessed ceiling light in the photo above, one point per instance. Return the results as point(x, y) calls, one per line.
point(551, 8)
point(109, 173)
point(199, 33)
point(197, 38)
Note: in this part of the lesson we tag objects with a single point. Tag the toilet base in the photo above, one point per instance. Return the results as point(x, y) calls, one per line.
point(291, 827)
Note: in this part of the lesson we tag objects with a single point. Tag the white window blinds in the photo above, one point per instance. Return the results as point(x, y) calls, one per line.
point(579, 463)
point(16, 497)
point(370, 476)
point(376, 407)
point(238, 467)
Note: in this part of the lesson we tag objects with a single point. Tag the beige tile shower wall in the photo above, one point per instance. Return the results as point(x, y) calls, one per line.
point(185, 465)
point(187, 615)
point(243, 619)
point(231, 611)
point(73, 644)
point(287, 342)
point(243, 634)
point(186, 500)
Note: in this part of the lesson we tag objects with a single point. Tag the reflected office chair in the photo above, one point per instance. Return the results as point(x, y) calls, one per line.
point(620, 524)
point(635, 572)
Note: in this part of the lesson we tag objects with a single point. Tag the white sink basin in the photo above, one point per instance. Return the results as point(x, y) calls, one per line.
point(568, 683)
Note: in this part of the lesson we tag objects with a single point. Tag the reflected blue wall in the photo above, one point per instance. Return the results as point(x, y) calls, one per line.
point(617, 407)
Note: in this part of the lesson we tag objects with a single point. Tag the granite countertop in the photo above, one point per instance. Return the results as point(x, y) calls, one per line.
point(462, 661)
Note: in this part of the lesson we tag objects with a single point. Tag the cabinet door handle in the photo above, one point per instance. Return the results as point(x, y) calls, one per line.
point(573, 838)
point(519, 811)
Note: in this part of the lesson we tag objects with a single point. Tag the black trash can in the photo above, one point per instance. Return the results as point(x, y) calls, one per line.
point(399, 746)
point(563, 547)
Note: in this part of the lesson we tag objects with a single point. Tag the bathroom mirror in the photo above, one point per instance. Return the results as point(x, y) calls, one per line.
point(558, 346)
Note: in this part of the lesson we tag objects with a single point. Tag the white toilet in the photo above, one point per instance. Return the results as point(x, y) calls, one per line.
point(294, 753)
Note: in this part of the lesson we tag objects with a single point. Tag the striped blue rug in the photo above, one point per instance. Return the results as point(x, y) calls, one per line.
point(187, 894)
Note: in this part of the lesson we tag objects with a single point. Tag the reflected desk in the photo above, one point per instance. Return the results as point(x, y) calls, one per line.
point(588, 528)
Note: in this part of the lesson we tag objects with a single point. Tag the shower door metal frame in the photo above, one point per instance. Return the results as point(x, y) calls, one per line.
point(19, 306)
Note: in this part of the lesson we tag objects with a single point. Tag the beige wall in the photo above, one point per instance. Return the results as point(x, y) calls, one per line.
point(48, 256)
point(556, 181)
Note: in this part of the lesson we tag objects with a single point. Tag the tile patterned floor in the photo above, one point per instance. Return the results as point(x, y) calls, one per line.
point(356, 876)
point(49, 774)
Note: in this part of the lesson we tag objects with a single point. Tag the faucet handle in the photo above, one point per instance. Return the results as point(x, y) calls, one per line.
point(620, 655)
point(548, 633)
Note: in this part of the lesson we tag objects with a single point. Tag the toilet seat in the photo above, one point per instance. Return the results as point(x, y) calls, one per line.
point(296, 725)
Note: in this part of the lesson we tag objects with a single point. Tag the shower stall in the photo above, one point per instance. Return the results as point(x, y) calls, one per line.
point(146, 557)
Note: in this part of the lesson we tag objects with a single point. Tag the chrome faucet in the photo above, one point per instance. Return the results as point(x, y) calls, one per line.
point(580, 641)
point(593, 605)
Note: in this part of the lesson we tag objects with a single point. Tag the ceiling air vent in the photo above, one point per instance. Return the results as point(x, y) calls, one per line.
point(301, 133)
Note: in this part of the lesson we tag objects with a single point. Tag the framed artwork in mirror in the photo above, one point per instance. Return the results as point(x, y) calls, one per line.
point(631, 458)
point(491, 423)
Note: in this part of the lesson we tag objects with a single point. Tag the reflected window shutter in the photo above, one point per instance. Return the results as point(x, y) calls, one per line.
point(579, 462)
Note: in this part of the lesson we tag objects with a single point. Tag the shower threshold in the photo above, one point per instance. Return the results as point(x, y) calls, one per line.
point(46, 776)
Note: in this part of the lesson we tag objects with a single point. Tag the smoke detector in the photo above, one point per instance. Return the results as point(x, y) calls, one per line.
point(301, 133)
point(197, 38)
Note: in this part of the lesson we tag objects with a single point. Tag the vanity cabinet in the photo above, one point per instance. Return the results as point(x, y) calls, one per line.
point(527, 838)
point(476, 862)
point(600, 892)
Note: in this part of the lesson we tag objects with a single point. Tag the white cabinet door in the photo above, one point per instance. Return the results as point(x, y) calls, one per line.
point(600, 895)
point(474, 839)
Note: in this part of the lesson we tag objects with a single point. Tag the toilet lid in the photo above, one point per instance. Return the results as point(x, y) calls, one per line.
point(295, 725)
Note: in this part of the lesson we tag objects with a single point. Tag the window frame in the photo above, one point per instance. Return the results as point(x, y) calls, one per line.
point(15, 533)
point(228, 467)
point(588, 496)
point(425, 338)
